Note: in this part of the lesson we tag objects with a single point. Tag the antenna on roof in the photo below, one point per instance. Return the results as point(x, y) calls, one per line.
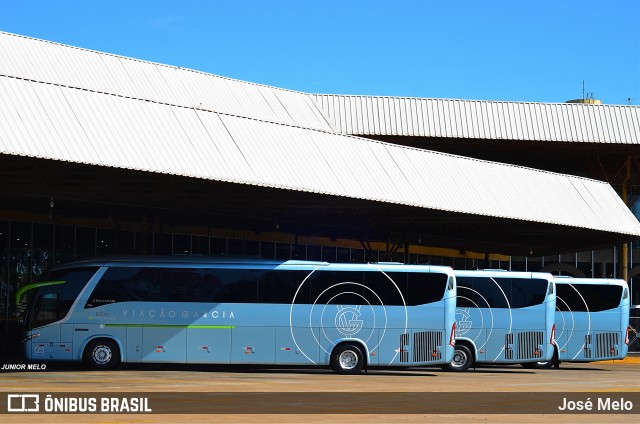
point(588, 99)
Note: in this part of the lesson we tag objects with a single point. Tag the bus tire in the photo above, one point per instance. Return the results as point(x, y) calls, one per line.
point(553, 363)
point(347, 358)
point(544, 365)
point(462, 359)
point(102, 354)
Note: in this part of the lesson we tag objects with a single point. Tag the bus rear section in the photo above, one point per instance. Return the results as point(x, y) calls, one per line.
point(503, 317)
point(154, 310)
point(592, 319)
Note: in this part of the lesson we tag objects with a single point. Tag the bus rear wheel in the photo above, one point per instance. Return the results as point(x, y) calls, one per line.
point(102, 354)
point(347, 359)
point(462, 359)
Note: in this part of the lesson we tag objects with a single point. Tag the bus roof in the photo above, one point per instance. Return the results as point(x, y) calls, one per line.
point(503, 273)
point(133, 260)
point(562, 279)
point(213, 261)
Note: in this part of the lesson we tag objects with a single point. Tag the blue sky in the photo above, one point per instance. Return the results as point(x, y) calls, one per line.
point(487, 50)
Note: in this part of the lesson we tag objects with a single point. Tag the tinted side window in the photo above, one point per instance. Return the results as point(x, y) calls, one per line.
point(425, 288)
point(235, 285)
point(337, 288)
point(146, 284)
point(126, 285)
point(390, 288)
point(377, 288)
point(282, 286)
point(525, 292)
point(487, 292)
point(592, 297)
point(481, 292)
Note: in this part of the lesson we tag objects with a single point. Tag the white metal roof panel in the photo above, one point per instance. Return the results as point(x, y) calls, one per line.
point(54, 63)
point(447, 118)
point(429, 177)
point(139, 85)
point(209, 162)
point(356, 167)
point(225, 153)
point(255, 148)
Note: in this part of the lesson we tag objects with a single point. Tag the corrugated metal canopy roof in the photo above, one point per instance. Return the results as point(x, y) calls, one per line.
point(122, 113)
point(473, 119)
point(61, 123)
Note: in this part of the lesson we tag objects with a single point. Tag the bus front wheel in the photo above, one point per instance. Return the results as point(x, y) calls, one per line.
point(462, 359)
point(347, 359)
point(102, 354)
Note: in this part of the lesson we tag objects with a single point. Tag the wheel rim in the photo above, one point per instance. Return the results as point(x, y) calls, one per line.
point(459, 359)
point(102, 355)
point(348, 360)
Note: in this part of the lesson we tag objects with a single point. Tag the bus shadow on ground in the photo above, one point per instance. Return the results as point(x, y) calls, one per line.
point(517, 369)
point(297, 369)
point(247, 369)
point(262, 369)
point(520, 370)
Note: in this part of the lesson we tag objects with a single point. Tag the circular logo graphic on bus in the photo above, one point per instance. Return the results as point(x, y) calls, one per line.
point(347, 320)
point(463, 321)
point(331, 305)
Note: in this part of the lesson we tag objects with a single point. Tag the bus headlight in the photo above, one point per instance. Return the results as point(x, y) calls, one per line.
point(31, 337)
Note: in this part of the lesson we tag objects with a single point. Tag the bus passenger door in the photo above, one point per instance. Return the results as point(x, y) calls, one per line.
point(65, 347)
point(48, 344)
point(134, 344)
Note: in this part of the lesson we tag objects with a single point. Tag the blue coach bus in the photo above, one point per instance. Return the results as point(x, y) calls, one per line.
point(503, 317)
point(209, 311)
point(592, 320)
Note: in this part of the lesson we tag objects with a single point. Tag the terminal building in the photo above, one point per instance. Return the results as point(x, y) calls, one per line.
point(102, 154)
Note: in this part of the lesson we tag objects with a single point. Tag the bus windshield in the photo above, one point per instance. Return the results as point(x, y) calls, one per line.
point(50, 300)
